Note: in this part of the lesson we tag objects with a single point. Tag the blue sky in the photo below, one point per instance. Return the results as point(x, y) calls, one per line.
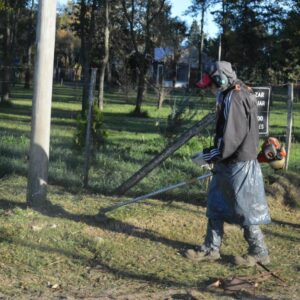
point(178, 8)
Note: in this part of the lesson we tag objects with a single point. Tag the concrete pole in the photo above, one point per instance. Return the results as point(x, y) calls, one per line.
point(41, 110)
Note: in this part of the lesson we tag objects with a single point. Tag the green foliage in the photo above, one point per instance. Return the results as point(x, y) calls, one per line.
point(98, 134)
point(182, 111)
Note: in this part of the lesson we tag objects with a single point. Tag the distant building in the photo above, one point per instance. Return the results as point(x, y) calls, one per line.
point(179, 74)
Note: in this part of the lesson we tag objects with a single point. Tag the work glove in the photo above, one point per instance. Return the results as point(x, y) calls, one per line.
point(198, 158)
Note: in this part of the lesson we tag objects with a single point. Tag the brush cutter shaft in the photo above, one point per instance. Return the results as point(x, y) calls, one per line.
point(168, 188)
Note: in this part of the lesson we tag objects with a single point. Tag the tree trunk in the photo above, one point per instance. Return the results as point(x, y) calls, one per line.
point(108, 73)
point(28, 69)
point(101, 86)
point(86, 46)
point(105, 57)
point(29, 50)
point(85, 88)
point(141, 89)
point(161, 88)
point(6, 73)
point(201, 44)
point(161, 97)
point(5, 84)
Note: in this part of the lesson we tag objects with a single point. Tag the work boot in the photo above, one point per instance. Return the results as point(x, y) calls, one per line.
point(251, 260)
point(198, 255)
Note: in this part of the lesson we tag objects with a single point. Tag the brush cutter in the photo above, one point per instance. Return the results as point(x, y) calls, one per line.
point(147, 196)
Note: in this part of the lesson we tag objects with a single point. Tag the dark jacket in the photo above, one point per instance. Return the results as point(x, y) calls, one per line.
point(236, 192)
point(236, 137)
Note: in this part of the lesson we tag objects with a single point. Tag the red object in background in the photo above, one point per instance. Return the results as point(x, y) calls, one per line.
point(204, 82)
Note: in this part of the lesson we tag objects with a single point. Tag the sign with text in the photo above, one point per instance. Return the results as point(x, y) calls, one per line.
point(263, 95)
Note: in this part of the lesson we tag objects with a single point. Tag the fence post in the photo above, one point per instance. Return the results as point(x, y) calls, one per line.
point(88, 138)
point(289, 123)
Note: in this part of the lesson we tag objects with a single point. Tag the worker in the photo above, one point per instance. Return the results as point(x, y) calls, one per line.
point(236, 192)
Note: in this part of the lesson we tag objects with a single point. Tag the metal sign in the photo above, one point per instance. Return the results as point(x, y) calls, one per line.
point(263, 95)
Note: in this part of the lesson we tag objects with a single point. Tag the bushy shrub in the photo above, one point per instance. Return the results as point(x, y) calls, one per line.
point(182, 112)
point(98, 134)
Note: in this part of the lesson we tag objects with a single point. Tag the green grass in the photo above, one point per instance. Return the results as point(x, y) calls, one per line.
point(134, 250)
point(60, 250)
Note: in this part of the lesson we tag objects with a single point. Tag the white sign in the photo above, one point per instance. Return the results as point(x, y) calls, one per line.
point(263, 95)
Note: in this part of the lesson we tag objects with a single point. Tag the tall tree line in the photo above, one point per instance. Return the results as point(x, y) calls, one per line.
point(260, 37)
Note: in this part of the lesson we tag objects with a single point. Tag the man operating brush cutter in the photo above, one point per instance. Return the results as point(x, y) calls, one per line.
point(236, 193)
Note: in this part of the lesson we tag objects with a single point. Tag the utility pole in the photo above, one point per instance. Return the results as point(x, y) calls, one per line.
point(41, 110)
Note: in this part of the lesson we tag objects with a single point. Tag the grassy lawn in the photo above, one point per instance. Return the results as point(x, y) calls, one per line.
point(61, 251)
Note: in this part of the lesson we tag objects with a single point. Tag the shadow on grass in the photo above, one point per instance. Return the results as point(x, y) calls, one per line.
point(104, 222)
point(284, 223)
point(97, 263)
point(13, 132)
point(282, 236)
point(25, 110)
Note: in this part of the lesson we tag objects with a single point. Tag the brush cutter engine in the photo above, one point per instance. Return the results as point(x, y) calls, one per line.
point(272, 152)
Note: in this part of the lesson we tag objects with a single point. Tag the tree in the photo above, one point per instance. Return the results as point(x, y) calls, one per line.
point(248, 39)
point(29, 42)
point(249, 34)
point(140, 16)
point(286, 51)
point(10, 12)
point(202, 7)
point(84, 24)
point(194, 34)
point(170, 34)
point(67, 44)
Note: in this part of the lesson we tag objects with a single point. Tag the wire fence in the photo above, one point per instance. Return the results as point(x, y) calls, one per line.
point(72, 80)
point(74, 77)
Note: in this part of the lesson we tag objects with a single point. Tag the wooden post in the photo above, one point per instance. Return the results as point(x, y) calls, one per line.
point(41, 110)
point(88, 138)
point(220, 48)
point(289, 124)
point(186, 136)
